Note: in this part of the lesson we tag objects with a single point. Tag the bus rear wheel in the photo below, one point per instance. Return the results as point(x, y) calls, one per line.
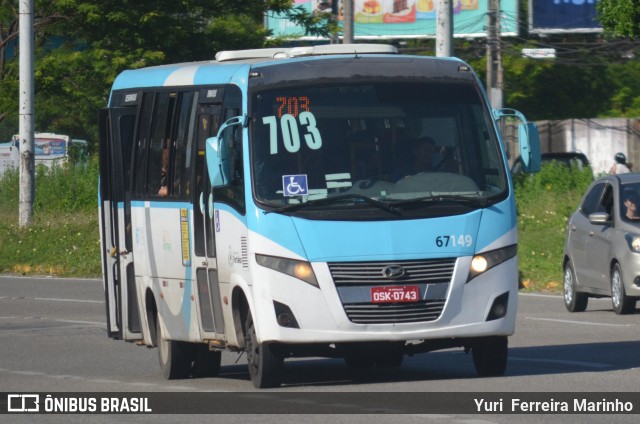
point(265, 364)
point(175, 357)
point(490, 356)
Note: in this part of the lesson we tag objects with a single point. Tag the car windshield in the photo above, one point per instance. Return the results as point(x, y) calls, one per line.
point(392, 143)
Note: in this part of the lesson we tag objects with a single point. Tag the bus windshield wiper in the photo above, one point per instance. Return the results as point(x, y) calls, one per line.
point(336, 199)
point(444, 198)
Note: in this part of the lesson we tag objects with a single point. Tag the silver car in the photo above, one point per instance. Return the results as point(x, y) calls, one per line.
point(602, 246)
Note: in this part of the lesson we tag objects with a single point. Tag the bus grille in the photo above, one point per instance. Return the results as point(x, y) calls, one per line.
point(355, 279)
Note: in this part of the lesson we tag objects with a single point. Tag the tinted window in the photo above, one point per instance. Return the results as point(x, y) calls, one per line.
point(392, 142)
point(592, 199)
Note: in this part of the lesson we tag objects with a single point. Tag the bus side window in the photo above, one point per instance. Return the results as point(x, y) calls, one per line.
point(139, 169)
point(160, 145)
point(184, 146)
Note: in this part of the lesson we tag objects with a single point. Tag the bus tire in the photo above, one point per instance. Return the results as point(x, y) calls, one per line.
point(390, 360)
point(175, 357)
point(490, 356)
point(207, 362)
point(265, 364)
point(357, 362)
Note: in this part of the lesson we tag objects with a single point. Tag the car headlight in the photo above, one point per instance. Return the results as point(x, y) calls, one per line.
point(633, 241)
point(483, 262)
point(301, 270)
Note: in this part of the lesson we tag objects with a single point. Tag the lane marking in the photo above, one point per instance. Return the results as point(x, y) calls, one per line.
point(133, 384)
point(594, 365)
point(53, 299)
point(48, 278)
point(566, 321)
point(91, 323)
point(553, 296)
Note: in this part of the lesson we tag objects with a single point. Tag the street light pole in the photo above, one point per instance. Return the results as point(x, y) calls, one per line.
point(494, 55)
point(26, 113)
point(444, 28)
point(347, 28)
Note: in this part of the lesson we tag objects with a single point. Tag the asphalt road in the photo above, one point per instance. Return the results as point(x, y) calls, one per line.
point(53, 338)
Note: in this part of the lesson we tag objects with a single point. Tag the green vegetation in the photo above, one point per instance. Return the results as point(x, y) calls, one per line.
point(545, 201)
point(81, 45)
point(64, 239)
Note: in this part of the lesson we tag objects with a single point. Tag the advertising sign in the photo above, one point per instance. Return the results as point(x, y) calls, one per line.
point(556, 16)
point(374, 19)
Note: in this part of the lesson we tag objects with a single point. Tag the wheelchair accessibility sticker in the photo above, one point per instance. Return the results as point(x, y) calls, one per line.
point(295, 185)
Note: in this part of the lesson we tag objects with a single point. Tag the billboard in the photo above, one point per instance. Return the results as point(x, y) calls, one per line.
point(374, 19)
point(558, 16)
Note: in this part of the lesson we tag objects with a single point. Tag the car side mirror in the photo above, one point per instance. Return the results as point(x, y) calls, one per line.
point(599, 218)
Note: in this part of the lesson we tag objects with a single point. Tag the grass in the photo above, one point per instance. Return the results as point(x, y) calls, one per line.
point(60, 244)
point(544, 203)
point(63, 239)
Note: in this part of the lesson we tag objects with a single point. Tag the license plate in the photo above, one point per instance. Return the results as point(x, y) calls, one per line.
point(395, 294)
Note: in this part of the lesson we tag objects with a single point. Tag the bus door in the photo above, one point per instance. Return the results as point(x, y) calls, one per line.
point(116, 138)
point(210, 303)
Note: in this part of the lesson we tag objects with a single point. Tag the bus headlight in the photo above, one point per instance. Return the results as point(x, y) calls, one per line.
point(299, 269)
point(485, 261)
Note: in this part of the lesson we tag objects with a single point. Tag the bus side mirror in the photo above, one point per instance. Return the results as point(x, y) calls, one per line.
point(217, 153)
point(529, 140)
point(217, 161)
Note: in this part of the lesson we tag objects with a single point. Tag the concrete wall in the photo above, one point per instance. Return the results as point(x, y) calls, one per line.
point(599, 139)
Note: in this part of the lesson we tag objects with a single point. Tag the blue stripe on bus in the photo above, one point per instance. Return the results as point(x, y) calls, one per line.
point(150, 77)
point(161, 204)
point(179, 75)
point(380, 240)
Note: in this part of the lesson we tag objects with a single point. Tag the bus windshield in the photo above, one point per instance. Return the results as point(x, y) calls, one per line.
point(372, 143)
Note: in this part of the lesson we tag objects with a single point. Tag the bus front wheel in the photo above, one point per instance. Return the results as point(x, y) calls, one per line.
point(490, 356)
point(265, 365)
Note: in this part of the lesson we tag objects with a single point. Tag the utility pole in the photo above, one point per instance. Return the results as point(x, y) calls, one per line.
point(26, 113)
point(347, 26)
point(444, 28)
point(494, 55)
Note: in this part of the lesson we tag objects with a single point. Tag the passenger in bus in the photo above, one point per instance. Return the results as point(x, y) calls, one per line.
point(164, 178)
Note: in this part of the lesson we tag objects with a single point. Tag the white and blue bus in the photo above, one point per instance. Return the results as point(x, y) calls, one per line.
point(334, 201)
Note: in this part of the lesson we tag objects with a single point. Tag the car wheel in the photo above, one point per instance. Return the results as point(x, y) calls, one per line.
point(573, 299)
point(490, 356)
point(622, 304)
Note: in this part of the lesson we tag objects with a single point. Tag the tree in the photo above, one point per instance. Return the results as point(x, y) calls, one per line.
point(620, 18)
point(84, 44)
point(9, 72)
